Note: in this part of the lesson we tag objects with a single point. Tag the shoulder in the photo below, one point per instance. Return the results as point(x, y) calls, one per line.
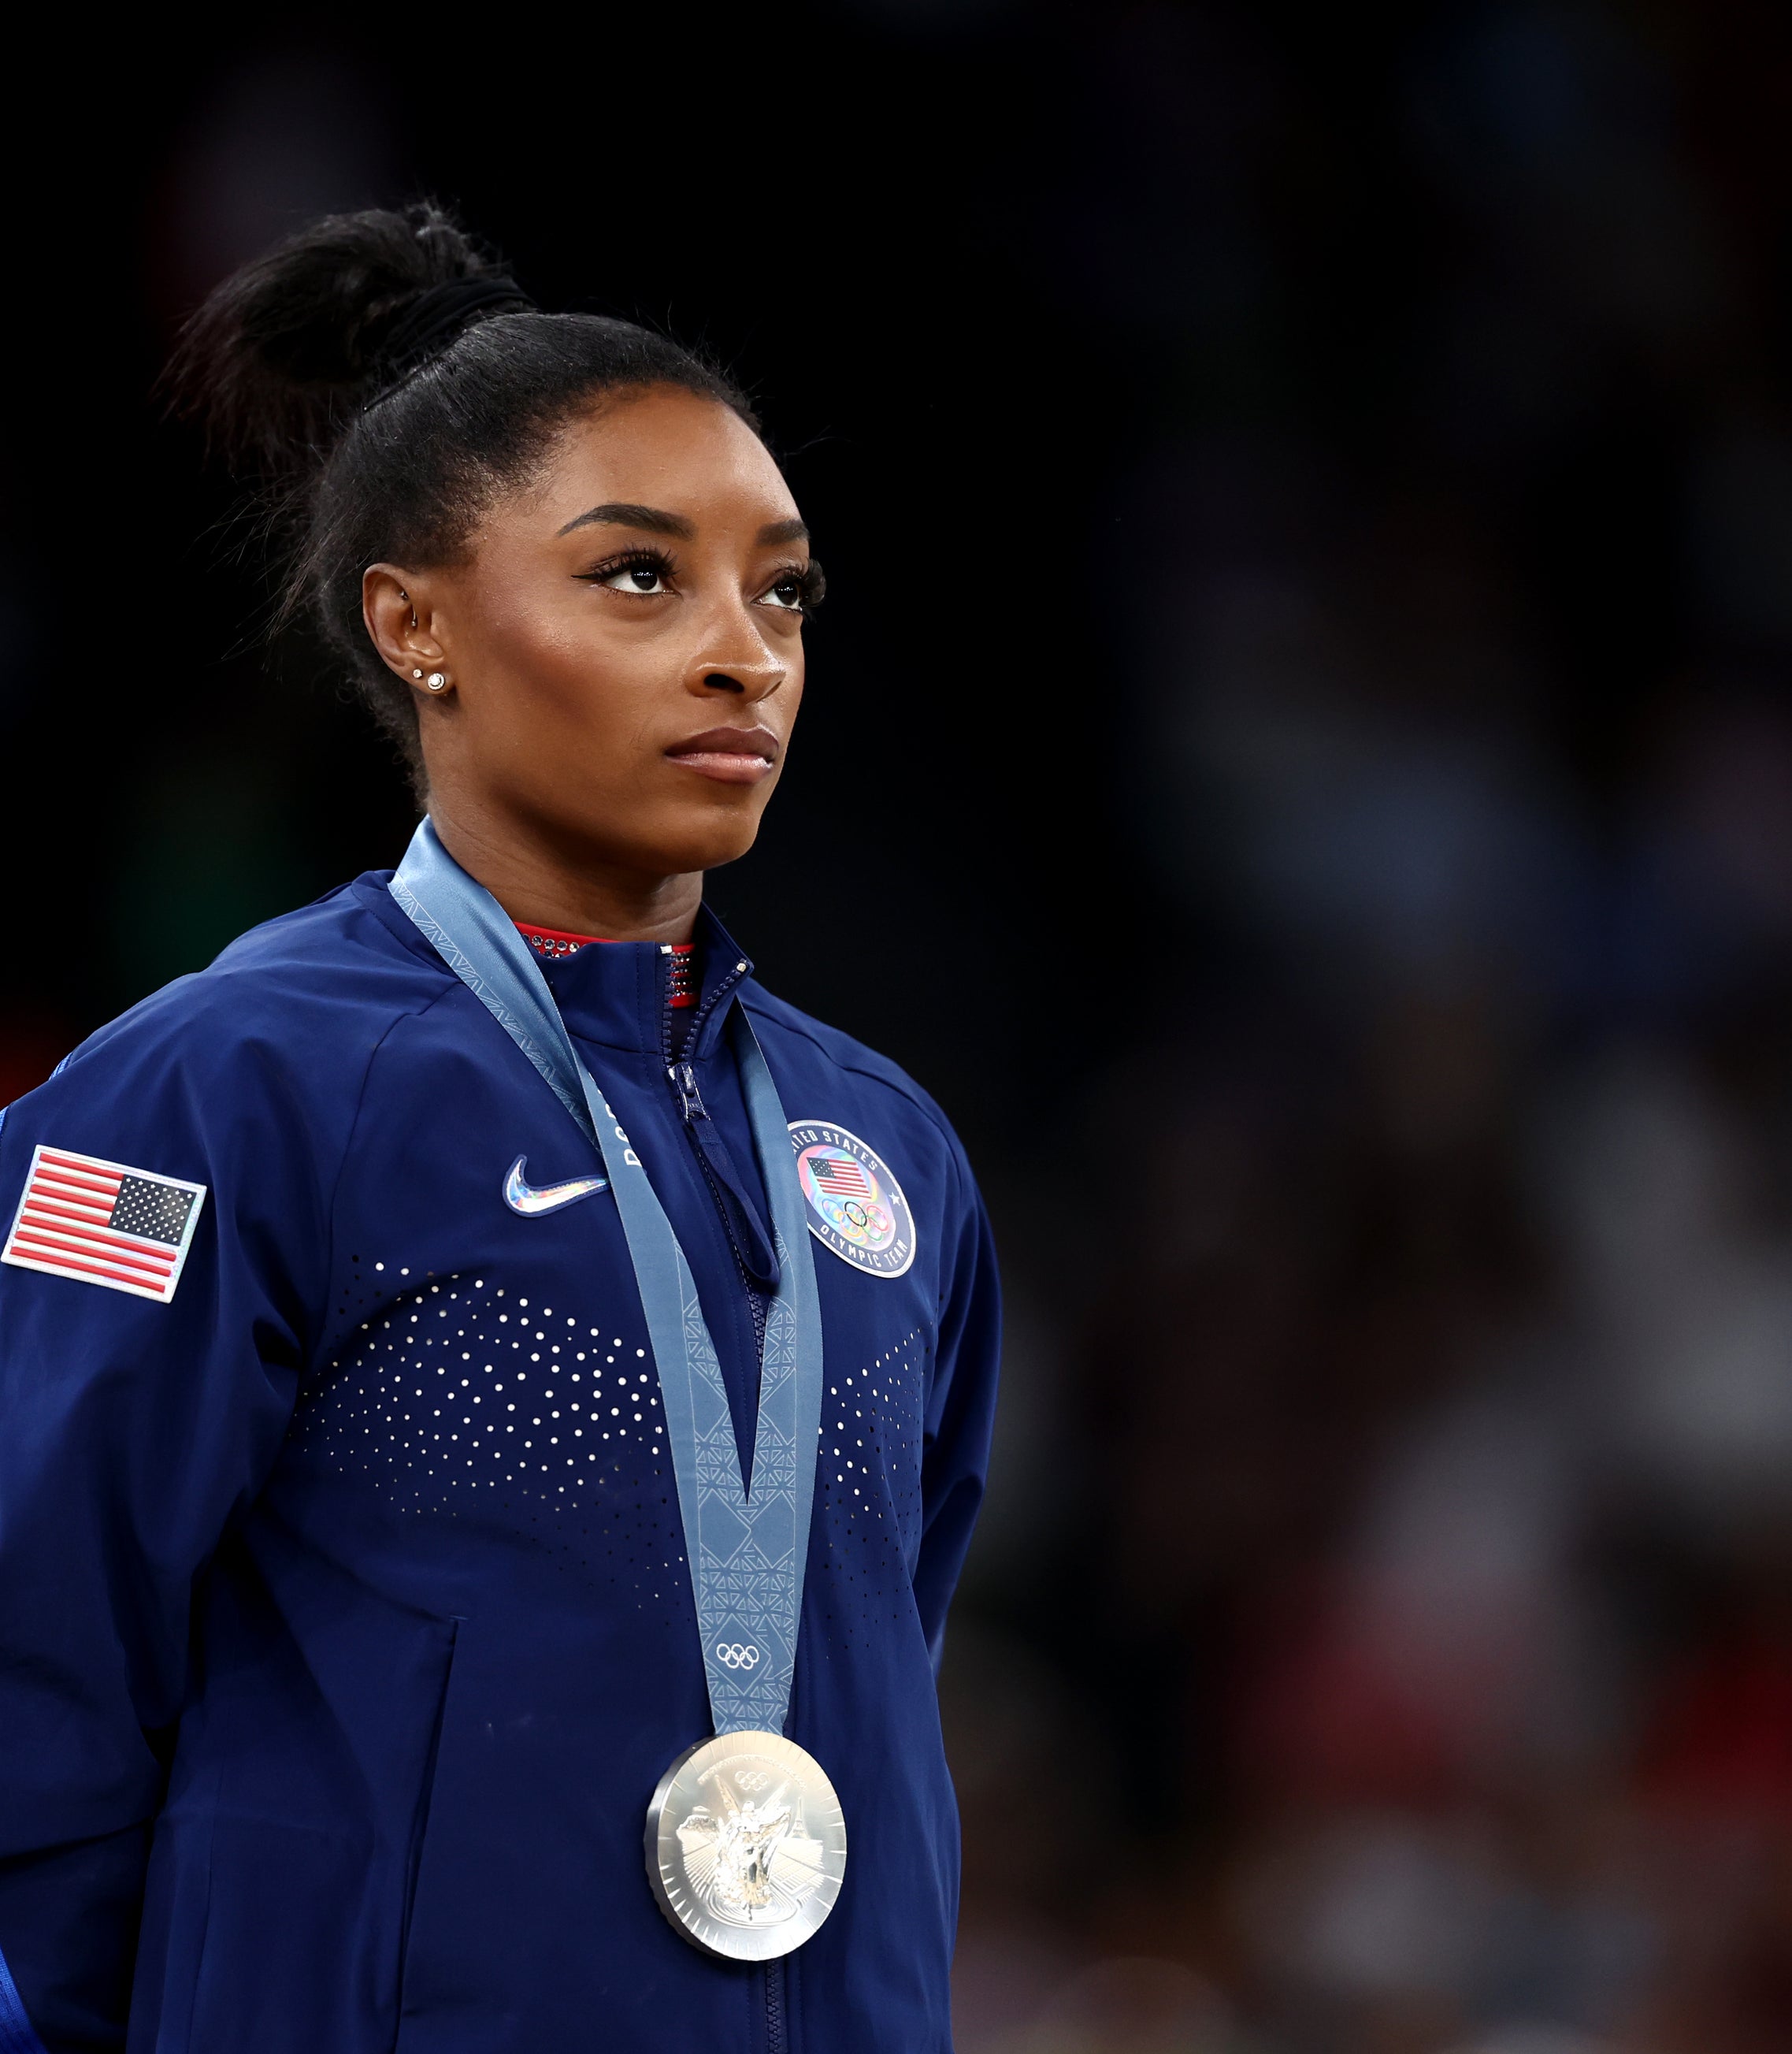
point(336, 969)
point(287, 1018)
point(804, 1050)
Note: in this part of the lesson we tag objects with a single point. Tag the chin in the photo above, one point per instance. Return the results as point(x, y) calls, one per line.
point(662, 840)
point(707, 844)
point(716, 853)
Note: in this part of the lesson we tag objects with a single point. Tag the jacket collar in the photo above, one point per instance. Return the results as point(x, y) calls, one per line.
point(615, 993)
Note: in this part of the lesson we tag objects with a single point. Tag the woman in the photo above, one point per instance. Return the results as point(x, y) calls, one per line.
point(414, 1329)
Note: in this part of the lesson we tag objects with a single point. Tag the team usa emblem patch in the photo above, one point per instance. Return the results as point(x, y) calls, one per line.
point(102, 1222)
point(856, 1207)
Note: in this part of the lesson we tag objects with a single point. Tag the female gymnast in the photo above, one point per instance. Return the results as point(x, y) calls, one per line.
point(493, 1402)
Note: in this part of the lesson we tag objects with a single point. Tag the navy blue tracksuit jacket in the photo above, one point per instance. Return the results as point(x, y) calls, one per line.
point(345, 1628)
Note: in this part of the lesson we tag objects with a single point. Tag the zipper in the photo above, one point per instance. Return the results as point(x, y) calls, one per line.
point(703, 1011)
point(777, 2018)
point(683, 1077)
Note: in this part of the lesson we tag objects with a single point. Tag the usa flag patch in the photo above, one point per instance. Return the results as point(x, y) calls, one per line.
point(104, 1223)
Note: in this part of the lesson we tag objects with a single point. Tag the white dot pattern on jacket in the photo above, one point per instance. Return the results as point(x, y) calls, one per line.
point(460, 1397)
point(868, 1486)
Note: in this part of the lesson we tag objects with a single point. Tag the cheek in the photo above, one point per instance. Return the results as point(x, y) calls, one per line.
point(555, 675)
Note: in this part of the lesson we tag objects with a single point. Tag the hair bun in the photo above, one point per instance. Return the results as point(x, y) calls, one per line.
point(435, 318)
point(285, 350)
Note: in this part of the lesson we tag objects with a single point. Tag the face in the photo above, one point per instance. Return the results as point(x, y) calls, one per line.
point(622, 644)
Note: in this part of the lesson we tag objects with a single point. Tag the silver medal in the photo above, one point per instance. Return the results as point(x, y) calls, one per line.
point(746, 1846)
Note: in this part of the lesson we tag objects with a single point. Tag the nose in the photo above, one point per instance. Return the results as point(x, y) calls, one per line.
point(749, 682)
point(735, 657)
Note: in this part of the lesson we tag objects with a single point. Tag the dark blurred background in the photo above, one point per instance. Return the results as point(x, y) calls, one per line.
point(1299, 761)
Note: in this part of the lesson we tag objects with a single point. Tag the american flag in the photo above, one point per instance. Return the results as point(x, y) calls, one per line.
point(840, 1176)
point(103, 1223)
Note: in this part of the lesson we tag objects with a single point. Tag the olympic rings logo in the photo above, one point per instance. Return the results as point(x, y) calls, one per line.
point(733, 1655)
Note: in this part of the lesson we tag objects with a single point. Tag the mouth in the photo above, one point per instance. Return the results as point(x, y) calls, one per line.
point(729, 755)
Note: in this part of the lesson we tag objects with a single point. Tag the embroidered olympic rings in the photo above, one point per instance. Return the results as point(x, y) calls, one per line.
point(734, 1656)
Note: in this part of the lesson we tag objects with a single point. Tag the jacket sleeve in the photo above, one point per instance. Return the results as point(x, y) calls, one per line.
point(960, 1409)
point(131, 1433)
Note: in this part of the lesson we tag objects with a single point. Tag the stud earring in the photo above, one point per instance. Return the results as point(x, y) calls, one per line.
point(435, 682)
point(416, 673)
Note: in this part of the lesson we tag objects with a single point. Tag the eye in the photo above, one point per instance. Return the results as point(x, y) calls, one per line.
point(641, 573)
point(796, 589)
point(647, 578)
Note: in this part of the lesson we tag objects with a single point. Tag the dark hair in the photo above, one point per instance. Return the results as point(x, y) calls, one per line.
point(386, 379)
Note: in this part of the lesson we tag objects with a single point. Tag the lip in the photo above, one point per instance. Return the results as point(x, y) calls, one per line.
point(729, 755)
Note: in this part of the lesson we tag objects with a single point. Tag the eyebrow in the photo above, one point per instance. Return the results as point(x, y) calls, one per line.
point(775, 532)
point(620, 513)
point(624, 513)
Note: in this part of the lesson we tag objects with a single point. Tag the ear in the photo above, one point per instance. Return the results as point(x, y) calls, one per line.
point(399, 608)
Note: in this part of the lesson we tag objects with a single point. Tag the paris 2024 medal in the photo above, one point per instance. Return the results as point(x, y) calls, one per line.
point(746, 1846)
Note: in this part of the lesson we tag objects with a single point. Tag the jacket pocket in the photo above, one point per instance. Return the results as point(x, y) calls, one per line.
point(314, 1855)
point(421, 1826)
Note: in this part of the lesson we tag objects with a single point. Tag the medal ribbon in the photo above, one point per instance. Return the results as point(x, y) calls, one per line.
point(747, 1553)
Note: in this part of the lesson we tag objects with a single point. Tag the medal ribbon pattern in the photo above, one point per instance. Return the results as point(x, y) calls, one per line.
point(747, 1552)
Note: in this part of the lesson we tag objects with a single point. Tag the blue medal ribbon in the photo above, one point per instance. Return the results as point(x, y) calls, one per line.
point(747, 1552)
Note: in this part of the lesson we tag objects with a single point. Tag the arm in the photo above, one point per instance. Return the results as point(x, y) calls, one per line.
point(131, 1433)
point(960, 1409)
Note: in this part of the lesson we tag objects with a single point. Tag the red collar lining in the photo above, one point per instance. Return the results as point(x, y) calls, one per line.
point(552, 944)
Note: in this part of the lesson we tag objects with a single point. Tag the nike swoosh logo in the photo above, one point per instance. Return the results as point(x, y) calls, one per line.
point(528, 1199)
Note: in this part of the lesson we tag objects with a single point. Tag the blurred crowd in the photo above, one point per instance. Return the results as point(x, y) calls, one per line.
point(1411, 1669)
point(1377, 1043)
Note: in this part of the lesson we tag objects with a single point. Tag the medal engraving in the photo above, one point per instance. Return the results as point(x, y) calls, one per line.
point(746, 1847)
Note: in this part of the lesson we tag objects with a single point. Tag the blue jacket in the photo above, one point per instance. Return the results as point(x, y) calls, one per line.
point(344, 1625)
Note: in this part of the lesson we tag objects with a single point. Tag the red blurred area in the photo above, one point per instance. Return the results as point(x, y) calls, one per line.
point(30, 1049)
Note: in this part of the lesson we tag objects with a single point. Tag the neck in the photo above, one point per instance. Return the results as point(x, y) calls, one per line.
point(540, 886)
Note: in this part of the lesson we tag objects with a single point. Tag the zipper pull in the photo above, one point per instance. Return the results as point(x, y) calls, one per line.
point(690, 1098)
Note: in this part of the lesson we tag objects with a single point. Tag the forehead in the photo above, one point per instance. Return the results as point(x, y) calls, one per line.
point(667, 449)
